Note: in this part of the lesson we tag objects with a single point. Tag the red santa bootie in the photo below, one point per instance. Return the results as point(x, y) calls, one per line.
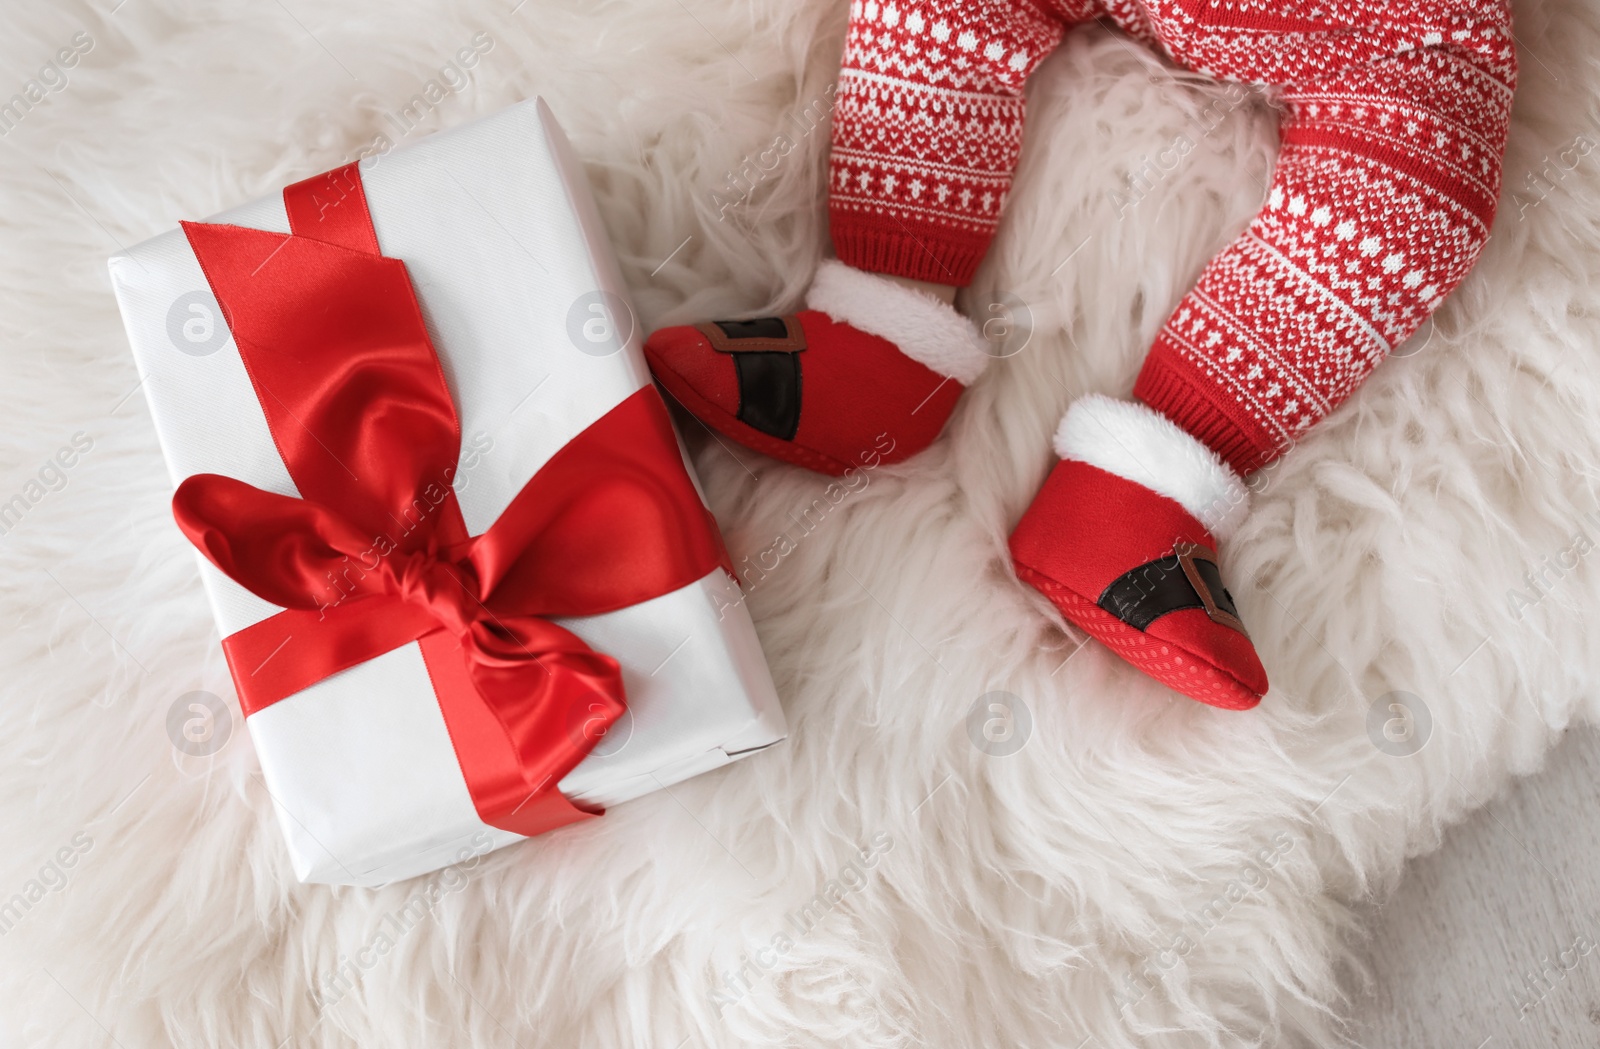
point(1123, 540)
point(868, 374)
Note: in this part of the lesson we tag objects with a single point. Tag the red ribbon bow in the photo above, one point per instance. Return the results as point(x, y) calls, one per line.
point(375, 553)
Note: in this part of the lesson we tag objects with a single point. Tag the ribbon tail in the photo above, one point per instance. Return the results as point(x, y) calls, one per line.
point(546, 700)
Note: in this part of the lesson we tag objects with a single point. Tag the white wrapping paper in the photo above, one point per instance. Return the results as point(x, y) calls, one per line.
point(528, 313)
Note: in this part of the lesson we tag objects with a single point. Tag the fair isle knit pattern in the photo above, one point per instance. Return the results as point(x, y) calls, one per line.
point(927, 131)
point(1395, 118)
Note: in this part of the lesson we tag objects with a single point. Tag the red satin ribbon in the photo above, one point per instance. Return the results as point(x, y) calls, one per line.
point(375, 553)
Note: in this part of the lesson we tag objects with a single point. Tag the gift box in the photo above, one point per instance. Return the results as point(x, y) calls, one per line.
point(468, 588)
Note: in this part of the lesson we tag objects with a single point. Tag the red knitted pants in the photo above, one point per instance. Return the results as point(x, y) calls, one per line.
point(1394, 127)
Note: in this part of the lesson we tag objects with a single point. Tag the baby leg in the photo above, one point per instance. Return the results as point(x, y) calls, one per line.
point(1380, 202)
point(926, 132)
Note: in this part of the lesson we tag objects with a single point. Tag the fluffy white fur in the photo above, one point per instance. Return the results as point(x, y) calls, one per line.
point(1022, 891)
point(1132, 441)
point(925, 329)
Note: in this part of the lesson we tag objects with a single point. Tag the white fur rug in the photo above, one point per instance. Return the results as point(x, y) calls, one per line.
point(1143, 871)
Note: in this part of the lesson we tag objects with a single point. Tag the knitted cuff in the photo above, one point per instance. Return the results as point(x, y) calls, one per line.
point(1175, 388)
point(934, 253)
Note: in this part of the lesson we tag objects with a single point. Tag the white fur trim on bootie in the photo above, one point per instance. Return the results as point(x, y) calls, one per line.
point(1144, 446)
point(926, 330)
